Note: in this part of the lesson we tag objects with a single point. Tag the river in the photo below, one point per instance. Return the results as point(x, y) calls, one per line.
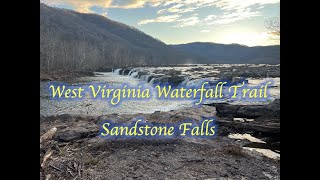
point(95, 107)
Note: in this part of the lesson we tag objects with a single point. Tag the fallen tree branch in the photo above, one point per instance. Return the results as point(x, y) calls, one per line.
point(48, 135)
point(54, 167)
point(46, 157)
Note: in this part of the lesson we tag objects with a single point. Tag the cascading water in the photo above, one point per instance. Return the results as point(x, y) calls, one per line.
point(131, 71)
point(134, 74)
point(147, 78)
point(152, 81)
point(117, 71)
point(185, 82)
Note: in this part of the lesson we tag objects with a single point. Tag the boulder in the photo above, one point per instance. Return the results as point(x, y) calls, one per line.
point(76, 133)
point(271, 110)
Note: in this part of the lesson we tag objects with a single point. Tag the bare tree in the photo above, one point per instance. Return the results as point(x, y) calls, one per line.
point(273, 25)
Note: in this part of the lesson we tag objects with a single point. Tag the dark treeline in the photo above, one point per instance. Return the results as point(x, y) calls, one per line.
point(232, 53)
point(71, 41)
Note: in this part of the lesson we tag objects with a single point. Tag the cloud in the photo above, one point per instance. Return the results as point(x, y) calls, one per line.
point(205, 31)
point(174, 10)
point(231, 5)
point(249, 38)
point(191, 21)
point(232, 10)
point(85, 5)
point(169, 18)
point(229, 17)
point(210, 17)
point(105, 14)
point(179, 8)
point(181, 22)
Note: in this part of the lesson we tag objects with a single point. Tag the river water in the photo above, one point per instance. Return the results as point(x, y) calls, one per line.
point(91, 107)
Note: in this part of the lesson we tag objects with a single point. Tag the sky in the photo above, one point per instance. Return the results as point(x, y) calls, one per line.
point(185, 21)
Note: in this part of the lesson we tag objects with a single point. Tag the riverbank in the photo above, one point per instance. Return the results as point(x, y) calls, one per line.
point(75, 151)
point(64, 76)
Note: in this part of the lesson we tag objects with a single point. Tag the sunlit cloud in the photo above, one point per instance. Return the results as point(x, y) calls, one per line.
point(179, 8)
point(205, 31)
point(210, 17)
point(185, 13)
point(181, 22)
point(239, 5)
point(250, 38)
point(190, 21)
point(232, 10)
point(105, 14)
point(230, 17)
point(85, 5)
point(169, 18)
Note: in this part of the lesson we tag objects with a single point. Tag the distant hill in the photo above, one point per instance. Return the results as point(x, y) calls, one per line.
point(74, 41)
point(232, 53)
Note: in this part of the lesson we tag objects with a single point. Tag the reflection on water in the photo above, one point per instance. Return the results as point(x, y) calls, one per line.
point(256, 145)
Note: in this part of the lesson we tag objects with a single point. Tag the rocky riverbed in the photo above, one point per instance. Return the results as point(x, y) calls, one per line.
point(247, 144)
point(77, 152)
point(189, 74)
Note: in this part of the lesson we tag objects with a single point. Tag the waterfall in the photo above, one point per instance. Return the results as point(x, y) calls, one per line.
point(117, 71)
point(134, 74)
point(152, 81)
point(143, 77)
point(193, 82)
point(147, 78)
point(130, 72)
point(185, 82)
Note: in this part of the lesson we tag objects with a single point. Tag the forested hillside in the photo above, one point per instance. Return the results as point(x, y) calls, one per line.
point(72, 41)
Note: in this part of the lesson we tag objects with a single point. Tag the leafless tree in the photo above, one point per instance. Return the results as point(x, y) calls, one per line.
point(273, 25)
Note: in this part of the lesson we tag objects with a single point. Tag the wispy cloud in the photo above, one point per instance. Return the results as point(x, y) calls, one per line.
point(230, 17)
point(168, 18)
point(232, 10)
point(85, 5)
point(179, 8)
point(175, 10)
point(82, 5)
point(190, 21)
point(181, 22)
point(205, 31)
point(231, 5)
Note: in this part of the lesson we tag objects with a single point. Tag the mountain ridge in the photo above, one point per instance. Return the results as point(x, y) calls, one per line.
point(232, 53)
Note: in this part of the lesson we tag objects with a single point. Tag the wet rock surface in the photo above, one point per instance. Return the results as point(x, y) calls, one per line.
point(271, 110)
